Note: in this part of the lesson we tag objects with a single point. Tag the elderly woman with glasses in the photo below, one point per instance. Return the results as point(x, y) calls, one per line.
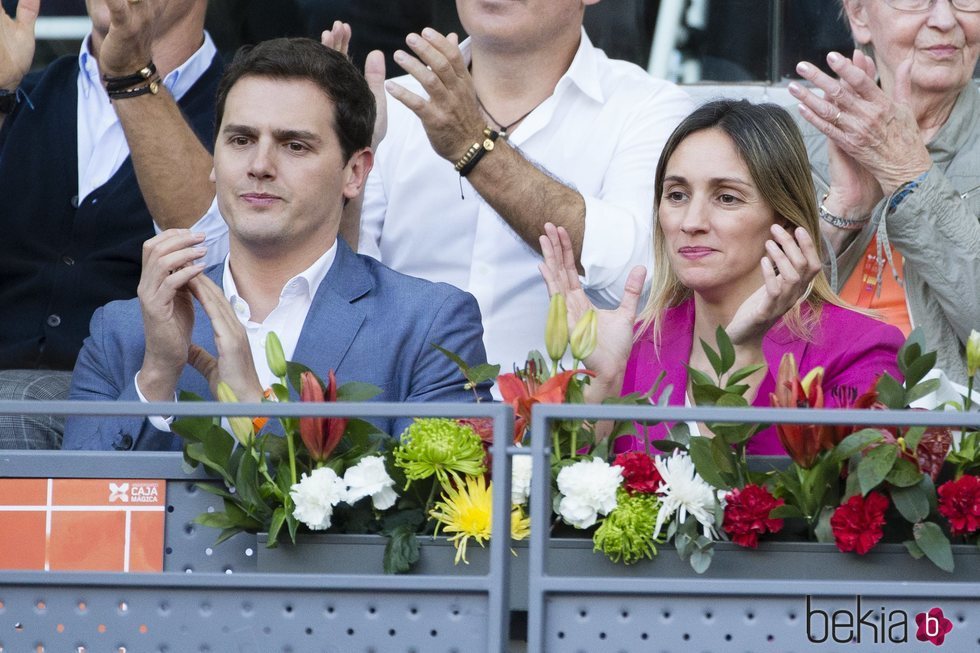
point(894, 141)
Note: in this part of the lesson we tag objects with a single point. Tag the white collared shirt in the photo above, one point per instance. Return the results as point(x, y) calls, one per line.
point(102, 146)
point(286, 319)
point(600, 133)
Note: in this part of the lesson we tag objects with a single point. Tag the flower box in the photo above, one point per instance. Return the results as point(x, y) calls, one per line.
point(802, 561)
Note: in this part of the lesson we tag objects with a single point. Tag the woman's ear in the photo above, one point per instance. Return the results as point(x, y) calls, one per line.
point(856, 12)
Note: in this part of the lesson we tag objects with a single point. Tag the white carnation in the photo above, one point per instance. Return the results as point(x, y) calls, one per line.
point(315, 496)
point(520, 483)
point(369, 478)
point(588, 489)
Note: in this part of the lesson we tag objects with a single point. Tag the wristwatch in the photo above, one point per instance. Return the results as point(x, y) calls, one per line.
point(8, 100)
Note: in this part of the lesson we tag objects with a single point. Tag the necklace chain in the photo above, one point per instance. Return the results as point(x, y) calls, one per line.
point(503, 129)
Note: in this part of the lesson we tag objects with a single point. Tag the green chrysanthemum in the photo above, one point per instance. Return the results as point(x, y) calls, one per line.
point(440, 447)
point(627, 532)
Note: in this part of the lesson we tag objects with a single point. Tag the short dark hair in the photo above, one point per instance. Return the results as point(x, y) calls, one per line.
point(306, 59)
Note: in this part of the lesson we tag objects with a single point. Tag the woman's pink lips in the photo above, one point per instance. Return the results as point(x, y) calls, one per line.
point(695, 252)
point(942, 51)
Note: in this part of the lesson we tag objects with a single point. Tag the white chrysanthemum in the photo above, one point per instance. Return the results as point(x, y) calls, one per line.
point(315, 496)
point(685, 493)
point(369, 478)
point(520, 483)
point(588, 489)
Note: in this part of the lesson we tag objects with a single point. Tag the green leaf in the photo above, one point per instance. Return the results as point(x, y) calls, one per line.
point(483, 372)
point(855, 442)
point(785, 511)
point(247, 487)
point(905, 473)
point(460, 363)
point(823, 531)
point(921, 390)
point(357, 391)
point(913, 549)
point(725, 348)
point(934, 544)
point(706, 395)
point(713, 358)
point(401, 551)
point(907, 355)
point(913, 436)
point(699, 378)
point(214, 488)
point(275, 525)
point(281, 392)
point(918, 368)
point(218, 444)
point(227, 534)
point(701, 559)
point(890, 391)
point(876, 465)
point(703, 456)
point(215, 520)
point(912, 503)
point(743, 373)
point(680, 433)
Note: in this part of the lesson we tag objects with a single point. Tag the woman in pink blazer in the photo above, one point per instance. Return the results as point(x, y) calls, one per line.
point(736, 244)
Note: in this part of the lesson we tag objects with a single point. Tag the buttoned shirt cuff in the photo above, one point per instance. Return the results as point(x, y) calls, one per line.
point(614, 242)
point(215, 235)
point(157, 421)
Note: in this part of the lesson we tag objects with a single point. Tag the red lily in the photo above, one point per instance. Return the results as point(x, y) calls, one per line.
point(803, 442)
point(320, 434)
point(523, 390)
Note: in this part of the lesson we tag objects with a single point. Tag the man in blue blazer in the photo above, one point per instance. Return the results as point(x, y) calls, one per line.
point(292, 147)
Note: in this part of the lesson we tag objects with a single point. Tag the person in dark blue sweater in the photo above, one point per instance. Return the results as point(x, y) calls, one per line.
point(93, 149)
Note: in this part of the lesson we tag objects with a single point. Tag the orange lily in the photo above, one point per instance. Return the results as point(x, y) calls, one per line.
point(320, 434)
point(803, 442)
point(523, 390)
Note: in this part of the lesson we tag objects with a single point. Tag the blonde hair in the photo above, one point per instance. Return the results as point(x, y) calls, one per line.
point(770, 144)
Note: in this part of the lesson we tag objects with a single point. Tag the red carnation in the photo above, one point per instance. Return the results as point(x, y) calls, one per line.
point(959, 502)
point(857, 523)
point(747, 515)
point(640, 475)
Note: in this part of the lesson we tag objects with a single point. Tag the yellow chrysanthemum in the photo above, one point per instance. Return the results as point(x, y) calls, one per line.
point(468, 513)
point(465, 512)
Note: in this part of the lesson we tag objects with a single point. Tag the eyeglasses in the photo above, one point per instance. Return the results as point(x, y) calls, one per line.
point(917, 6)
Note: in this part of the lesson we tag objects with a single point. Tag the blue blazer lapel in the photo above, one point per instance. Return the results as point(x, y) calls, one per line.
point(334, 318)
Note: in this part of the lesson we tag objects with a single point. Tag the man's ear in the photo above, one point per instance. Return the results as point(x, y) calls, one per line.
point(356, 172)
point(857, 15)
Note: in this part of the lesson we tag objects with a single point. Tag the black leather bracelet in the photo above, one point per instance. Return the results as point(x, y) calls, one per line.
point(476, 152)
point(153, 87)
point(119, 83)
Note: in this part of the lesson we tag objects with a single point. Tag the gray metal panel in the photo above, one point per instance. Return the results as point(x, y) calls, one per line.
point(206, 599)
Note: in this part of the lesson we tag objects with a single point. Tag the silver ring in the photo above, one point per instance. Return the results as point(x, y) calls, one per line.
point(833, 122)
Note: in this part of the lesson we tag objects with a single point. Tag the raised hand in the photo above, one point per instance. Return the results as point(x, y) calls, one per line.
point(450, 114)
point(338, 38)
point(17, 43)
point(797, 262)
point(877, 130)
point(615, 327)
point(167, 308)
point(234, 364)
point(128, 46)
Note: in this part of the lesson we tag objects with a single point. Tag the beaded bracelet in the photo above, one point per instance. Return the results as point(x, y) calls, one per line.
point(473, 155)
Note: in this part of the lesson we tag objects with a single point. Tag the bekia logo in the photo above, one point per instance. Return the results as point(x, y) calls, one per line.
point(119, 492)
point(933, 626)
point(879, 626)
point(133, 492)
